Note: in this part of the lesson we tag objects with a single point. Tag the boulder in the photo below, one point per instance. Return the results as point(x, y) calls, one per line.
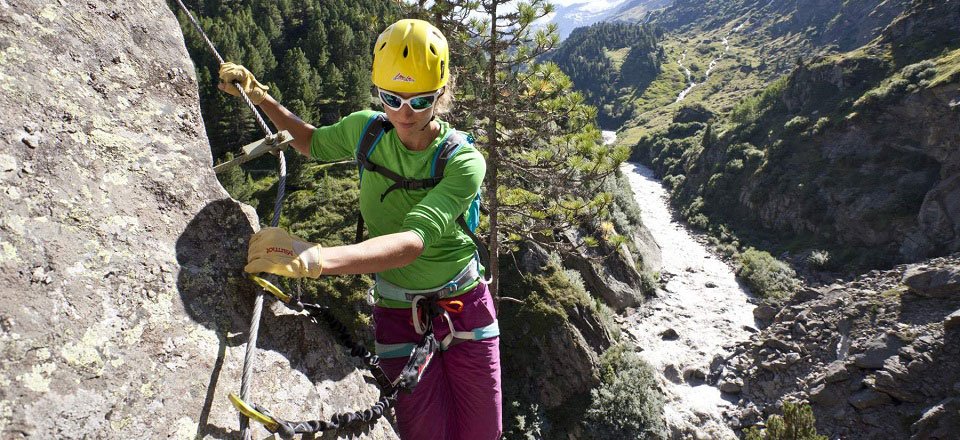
point(764, 313)
point(941, 421)
point(825, 395)
point(869, 398)
point(952, 321)
point(731, 385)
point(615, 279)
point(836, 372)
point(876, 351)
point(125, 312)
point(933, 283)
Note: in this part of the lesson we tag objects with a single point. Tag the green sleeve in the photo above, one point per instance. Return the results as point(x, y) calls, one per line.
point(438, 211)
point(339, 141)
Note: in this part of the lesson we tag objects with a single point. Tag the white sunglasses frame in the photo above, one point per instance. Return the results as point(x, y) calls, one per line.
point(435, 94)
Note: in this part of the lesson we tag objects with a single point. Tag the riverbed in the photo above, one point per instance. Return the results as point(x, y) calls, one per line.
point(700, 310)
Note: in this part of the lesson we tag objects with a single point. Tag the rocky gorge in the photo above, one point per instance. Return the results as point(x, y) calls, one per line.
point(876, 357)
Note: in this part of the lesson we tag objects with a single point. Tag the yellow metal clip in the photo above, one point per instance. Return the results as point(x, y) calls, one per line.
point(269, 287)
point(257, 416)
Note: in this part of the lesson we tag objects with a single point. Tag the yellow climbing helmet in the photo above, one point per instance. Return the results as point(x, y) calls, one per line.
point(411, 56)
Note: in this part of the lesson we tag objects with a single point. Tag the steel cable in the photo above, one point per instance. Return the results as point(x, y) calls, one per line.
point(247, 377)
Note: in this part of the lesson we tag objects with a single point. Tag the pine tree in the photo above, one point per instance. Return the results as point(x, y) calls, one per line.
point(544, 160)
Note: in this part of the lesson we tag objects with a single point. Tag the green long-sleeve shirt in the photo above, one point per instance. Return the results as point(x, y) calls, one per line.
point(430, 213)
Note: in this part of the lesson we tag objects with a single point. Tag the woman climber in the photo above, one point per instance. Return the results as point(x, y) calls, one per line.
point(427, 267)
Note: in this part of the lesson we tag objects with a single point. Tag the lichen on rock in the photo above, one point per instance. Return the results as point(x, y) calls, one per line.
point(125, 312)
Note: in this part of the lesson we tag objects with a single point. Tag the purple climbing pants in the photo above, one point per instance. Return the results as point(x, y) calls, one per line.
point(458, 397)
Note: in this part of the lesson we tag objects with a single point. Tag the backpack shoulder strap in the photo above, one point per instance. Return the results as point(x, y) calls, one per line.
point(449, 148)
point(377, 125)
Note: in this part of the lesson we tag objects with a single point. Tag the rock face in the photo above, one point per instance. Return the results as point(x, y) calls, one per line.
point(124, 310)
point(874, 358)
point(614, 278)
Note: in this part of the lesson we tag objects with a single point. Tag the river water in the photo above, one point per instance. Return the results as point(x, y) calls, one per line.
point(700, 310)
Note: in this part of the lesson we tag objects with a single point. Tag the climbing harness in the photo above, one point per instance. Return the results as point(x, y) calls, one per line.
point(274, 143)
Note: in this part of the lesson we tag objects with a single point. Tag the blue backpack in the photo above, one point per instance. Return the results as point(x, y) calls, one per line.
point(376, 127)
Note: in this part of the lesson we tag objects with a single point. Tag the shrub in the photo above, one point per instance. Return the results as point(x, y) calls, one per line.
point(528, 421)
point(797, 124)
point(767, 277)
point(818, 259)
point(821, 125)
point(649, 282)
point(797, 423)
point(627, 404)
point(674, 181)
point(734, 166)
point(699, 221)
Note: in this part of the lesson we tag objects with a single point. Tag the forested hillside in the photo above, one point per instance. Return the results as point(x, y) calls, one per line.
point(315, 56)
point(612, 64)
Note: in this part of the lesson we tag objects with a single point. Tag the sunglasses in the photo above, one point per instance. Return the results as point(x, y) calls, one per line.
point(417, 103)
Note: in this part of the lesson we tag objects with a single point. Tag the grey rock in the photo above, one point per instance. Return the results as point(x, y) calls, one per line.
point(836, 372)
point(941, 421)
point(952, 321)
point(7, 163)
point(807, 294)
point(933, 283)
point(876, 351)
point(31, 140)
point(127, 310)
point(792, 358)
point(826, 395)
point(691, 374)
point(617, 280)
point(774, 365)
point(672, 373)
point(786, 347)
point(731, 385)
point(669, 335)
point(764, 312)
point(869, 398)
point(533, 258)
point(887, 384)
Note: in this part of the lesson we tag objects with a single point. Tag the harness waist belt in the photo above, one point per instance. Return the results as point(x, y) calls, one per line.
point(389, 351)
point(469, 274)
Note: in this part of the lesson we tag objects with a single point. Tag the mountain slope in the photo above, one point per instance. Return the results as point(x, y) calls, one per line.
point(611, 63)
point(571, 14)
point(851, 151)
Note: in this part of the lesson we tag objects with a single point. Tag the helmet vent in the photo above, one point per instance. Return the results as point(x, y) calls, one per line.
point(433, 50)
point(442, 70)
point(405, 49)
point(383, 45)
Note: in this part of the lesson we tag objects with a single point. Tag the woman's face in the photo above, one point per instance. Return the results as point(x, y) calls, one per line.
point(405, 118)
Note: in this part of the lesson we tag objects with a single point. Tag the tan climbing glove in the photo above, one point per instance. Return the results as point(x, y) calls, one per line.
point(230, 72)
point(275, 251)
